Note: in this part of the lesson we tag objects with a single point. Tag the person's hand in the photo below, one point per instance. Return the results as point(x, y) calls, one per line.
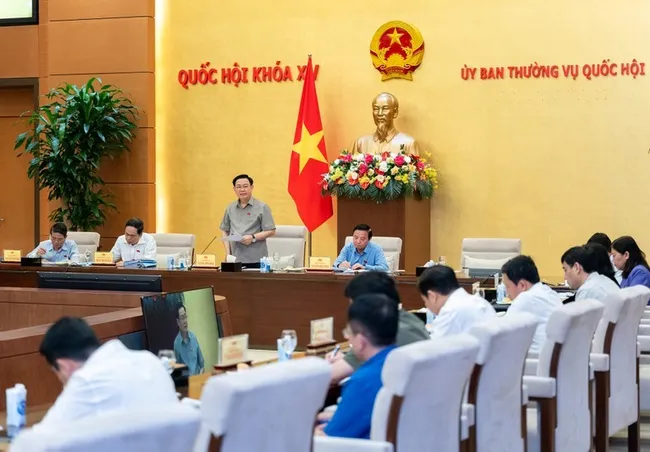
point(333, 358)
point(41, 252)
point(120, 264)
point(246, 240)
point(325, 416)
point(320, 430)
point(344, 264)
point(358, 267)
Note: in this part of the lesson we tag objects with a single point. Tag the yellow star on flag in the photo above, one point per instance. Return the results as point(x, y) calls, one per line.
point(307, 147)
point(395, 37)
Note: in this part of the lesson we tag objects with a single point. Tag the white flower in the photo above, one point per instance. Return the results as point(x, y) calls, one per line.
point(381, 178)
point(407, 159)
point(337, 162)
point(393, 154)
point(383, 167)
point(358, 157)
point(331, 168)
point(390, 160)
point(371, 172)
point(377, 157)
point(353, 175)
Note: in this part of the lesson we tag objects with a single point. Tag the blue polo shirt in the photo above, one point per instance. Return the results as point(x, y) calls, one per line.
point(189, 353)
point(353, 416)
point(372, 258)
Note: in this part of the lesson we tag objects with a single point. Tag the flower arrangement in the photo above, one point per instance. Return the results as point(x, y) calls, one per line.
point(380, 177)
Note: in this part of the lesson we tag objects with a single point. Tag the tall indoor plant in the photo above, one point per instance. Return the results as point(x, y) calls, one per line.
point(68, 138)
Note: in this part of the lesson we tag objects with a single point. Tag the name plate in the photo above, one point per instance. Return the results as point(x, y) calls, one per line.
point(103, 258)
point(322, 330)
point(12, 255)
point(320, 263)
point(205, 260)
point(233, 349)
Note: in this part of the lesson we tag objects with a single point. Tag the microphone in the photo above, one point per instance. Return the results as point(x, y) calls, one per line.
point(204, 249)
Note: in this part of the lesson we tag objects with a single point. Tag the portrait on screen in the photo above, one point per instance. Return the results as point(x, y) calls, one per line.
point(186, 323)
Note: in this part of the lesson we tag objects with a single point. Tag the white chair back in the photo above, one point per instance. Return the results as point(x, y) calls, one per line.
point(172, 428)
point(495, 386)
point(565, 357)
point(488, 253)
point(422, 382)
point(333, 444)
point(271, 408)
point(86, 241)
point(392, 247)
point(174, 243)
point(288, 241)
point(617, 332)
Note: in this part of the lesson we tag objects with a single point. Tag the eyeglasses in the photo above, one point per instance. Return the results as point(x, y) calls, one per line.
point(57, 239)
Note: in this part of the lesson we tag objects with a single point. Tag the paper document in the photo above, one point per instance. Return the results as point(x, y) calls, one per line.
point(232, 238)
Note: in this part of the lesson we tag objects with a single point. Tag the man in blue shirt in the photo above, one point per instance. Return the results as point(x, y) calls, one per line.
point(58, 248)
point(361, 253)
point(186, 346)
point(371, 331)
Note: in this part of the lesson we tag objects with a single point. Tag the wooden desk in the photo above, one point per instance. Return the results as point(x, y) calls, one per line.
point(260, 304)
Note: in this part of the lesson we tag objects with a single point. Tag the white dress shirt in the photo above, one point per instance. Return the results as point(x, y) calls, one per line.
point(596, 287)
point(460, 312)
point(144, 249)
point(113, 378)
point(540, 301)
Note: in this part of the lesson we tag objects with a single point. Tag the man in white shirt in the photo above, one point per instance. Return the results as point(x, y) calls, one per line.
point(580, 265)
point(530, 295)
point(456, 311)
point(99, 379)
point(134, 244)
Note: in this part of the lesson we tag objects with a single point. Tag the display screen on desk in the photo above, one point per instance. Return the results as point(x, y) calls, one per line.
point(18, 12)
point(99, 281)
point(185, 322)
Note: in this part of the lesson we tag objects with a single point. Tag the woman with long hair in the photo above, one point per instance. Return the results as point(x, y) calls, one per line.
point(629, 258)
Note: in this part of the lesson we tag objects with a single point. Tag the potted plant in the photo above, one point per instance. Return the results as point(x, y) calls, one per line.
point(68, 138)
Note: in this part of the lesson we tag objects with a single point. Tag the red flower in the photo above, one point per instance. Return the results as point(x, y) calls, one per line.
point(379, 185)
point(363, 169)
point(399, 160)
point(369, 159)
point(420, 166)
point(347, 158)
point(352, 181)
point(364, 184)
point(385, 155)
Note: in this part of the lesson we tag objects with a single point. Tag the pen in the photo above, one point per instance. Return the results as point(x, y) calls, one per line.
point(336, 350)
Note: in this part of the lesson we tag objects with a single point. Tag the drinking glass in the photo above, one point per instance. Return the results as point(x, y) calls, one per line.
point(289, 341)
point(442, 260)
point(168, 357)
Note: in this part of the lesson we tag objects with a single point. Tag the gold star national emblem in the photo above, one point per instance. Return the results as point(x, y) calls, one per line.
point(397, 49)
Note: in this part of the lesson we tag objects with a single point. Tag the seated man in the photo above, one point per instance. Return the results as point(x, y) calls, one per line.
point(134, 244)
point(361, 253)
point(99, 378)
point(530, 295)
point(186, 345)
point(456, 311)
point(58, 248)
point(372, 328)
point(580, 265)
point(409, 329)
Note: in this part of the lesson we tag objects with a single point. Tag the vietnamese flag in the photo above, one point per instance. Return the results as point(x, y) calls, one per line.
point(309, 159)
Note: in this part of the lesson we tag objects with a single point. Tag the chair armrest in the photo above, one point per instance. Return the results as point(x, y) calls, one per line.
point(599, 361)
point(331, 444)
point(464, 428)
point(191, 402)
point(644, 329)
point(469, 410)
point(524, 395)
point(645, 322)
point(532, 355)
point(530, 367)
point(644, 343)
point(591, 371)
point(540, 387)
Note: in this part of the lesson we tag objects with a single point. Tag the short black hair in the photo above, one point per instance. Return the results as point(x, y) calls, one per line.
point(59, 228)
point(242, 176)
point(372, 282)
point(602, 239)
point(68, 337)
point(179, 305)
point(585, 255)
point(363, 227)
point(438, 278)
point(521, 267)
point(376, 317)
point(637, 257)
point(136, 223)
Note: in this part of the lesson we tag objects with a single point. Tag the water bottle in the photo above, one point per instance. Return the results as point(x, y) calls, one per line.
point(16, 408)
point(430, 317)
point(170, 262)
point(282, 354)
point(263, 265)
point(181, 262)
point(501, 292)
